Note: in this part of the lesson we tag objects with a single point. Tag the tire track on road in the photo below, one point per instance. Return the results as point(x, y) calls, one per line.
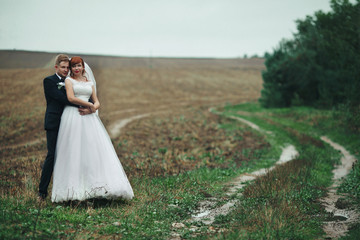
point(342, 217)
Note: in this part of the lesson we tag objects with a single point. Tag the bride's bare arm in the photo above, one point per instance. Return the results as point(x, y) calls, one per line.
point(71, 97)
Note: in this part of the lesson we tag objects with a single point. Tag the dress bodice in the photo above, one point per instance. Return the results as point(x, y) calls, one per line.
point(82, 90)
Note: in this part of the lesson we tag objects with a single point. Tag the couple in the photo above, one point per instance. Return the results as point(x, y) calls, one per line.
point(80, 152)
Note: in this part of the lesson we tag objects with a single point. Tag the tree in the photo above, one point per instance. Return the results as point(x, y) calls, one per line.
point(320, 65)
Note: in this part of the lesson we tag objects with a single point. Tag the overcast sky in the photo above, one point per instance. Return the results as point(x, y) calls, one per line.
point(167, 28)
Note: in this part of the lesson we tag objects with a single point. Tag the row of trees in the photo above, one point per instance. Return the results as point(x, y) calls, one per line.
point(320, 66)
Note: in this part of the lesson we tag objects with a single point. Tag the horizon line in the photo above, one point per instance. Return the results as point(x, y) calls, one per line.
point(245, 56)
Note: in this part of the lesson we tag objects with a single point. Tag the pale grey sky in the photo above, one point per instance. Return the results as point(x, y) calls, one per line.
point(167, 28)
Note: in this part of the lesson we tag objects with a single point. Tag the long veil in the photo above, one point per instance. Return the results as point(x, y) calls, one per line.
point(90, 76)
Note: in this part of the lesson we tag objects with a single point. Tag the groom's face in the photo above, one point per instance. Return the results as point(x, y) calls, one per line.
point(62, 69)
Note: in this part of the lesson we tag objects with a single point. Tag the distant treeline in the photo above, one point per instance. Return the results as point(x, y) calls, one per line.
point(320, 66)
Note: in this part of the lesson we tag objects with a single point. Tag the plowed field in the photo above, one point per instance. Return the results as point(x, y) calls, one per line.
point(175, 133)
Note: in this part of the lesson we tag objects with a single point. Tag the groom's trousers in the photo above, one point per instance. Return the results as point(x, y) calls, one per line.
point(48, 167)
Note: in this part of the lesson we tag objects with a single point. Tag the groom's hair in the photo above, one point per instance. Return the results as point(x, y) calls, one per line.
point(61, 58)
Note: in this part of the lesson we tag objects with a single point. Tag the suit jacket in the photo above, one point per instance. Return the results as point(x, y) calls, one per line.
point(56, 100)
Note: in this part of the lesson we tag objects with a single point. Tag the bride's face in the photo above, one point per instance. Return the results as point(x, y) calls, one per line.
point(77, 69)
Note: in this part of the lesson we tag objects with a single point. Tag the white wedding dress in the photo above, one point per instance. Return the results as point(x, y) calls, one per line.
point(86, 164)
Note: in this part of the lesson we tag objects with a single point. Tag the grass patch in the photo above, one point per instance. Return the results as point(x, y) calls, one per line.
point(159, 202)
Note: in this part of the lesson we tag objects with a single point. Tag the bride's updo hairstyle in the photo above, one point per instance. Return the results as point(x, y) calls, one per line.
point(76, 60)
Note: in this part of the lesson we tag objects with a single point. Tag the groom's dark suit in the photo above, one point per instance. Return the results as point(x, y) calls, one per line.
point(55, 102)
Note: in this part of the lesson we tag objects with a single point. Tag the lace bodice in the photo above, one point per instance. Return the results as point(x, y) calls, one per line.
point(82, 90)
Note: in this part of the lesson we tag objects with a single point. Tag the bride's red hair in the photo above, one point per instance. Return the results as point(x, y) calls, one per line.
point(75, 60)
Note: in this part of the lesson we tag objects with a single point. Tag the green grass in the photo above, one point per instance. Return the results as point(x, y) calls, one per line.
point(283, 204)
point(280, 205)
point(159, 202)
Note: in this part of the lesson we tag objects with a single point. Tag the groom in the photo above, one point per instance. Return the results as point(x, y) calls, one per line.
point(56, 100)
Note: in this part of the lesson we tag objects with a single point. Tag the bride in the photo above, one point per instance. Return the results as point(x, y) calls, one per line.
point(86, 164)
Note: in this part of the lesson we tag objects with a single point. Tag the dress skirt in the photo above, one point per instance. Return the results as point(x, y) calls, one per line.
point(86, 164)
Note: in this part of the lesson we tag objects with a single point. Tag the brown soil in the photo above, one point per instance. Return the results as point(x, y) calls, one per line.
point(172, 143)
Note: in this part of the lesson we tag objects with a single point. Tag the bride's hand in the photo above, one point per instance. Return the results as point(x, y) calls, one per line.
point(85, 111)
point(92, 108)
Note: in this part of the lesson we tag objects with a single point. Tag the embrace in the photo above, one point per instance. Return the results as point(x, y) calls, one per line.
point(80, 152)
